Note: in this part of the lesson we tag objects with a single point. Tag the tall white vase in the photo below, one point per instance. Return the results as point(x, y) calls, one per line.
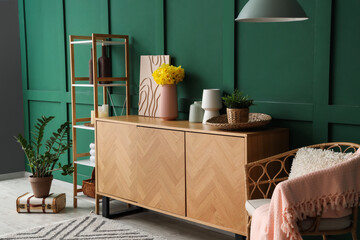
point(211, 103)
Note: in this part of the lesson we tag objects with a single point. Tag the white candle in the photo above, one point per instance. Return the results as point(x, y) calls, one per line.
point(105, 108)
point(92, 117)
point(103, 111)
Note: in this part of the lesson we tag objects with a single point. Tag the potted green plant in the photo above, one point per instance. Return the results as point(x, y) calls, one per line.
point(237, 107)
point(43, 159)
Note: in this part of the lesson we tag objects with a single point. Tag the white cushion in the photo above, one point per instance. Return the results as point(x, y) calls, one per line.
point(309, 160)
point(251, 205)
point(327, 223)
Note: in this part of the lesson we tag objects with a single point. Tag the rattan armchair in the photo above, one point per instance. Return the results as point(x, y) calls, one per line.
point(262, 177)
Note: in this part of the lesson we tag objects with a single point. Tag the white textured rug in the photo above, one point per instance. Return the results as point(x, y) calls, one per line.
point(84, 228)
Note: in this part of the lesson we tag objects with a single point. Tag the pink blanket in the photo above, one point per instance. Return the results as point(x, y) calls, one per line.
point(334, 190)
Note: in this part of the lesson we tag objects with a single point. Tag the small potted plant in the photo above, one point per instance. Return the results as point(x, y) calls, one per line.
point(237, 107)
point(43, 159)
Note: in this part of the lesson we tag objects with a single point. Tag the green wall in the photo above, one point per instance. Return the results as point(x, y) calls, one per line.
point(304, 74)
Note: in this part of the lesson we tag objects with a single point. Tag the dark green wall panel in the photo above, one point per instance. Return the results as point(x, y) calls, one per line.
point(84, 17)
point(41, 108)
point(344, 114)
point(90, 19)
point(142, 21)
point(344, 133)
point(275, 60)
point(345, 71)
point(300, 132)
point(45, 44)
point(194, 32)
point(284, 110)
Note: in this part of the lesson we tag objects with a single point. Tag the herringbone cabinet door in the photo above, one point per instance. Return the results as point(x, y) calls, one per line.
point(161, 171)
point(116, 159)
point(215, 180)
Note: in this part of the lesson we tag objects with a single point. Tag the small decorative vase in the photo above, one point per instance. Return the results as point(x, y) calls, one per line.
point(237, 115)
point(196, 113)
point(104, 65)
point(41, 186)
point(91, 68)
point(211, 103)
point(168, 102)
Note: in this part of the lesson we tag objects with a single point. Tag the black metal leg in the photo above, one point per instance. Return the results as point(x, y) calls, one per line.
point(239, 237)
point(106, 209)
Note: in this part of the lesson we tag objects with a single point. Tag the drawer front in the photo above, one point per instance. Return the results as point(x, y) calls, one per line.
point(161, 172)
point(215, 181)
point(116, 159)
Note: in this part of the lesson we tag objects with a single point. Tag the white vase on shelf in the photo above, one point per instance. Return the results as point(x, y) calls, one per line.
point(211, 103)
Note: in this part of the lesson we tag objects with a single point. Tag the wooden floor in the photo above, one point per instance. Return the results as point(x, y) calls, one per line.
point(167, 227)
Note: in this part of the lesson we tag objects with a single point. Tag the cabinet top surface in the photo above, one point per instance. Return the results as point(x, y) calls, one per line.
point(182, 125)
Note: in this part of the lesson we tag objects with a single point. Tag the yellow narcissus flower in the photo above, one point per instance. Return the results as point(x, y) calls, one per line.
point(168, 74)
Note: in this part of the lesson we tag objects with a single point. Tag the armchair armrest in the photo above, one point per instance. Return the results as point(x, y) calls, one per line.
point(262, 176)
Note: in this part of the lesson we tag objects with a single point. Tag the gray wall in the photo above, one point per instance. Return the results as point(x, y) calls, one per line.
point(11, 117)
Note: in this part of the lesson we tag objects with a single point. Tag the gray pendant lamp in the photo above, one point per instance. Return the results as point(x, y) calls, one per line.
point(272, 11)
